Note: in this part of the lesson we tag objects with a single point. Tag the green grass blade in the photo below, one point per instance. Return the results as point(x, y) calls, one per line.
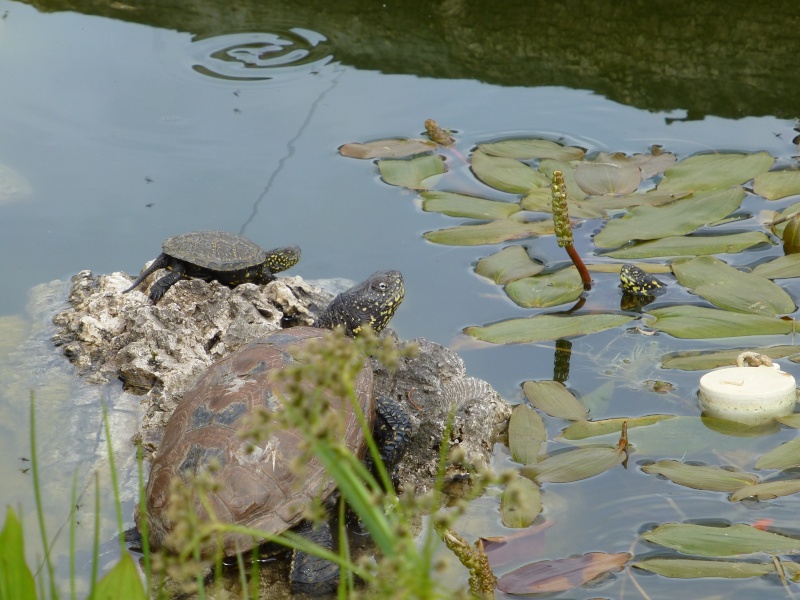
point(144, 527)
point(114, 483)
point(39, 508)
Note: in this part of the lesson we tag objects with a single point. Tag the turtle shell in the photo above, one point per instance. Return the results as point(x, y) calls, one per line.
point(215, 250)
point(259, 489)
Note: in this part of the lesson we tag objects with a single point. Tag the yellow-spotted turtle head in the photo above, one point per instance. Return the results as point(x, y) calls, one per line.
point(372, 302)
point(636, 282)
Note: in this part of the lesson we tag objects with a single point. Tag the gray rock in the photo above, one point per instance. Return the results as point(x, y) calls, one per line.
point(160, 350)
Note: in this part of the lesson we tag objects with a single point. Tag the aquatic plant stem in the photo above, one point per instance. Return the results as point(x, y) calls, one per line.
point(563, 227)
point(38, 495)
point(582, 270)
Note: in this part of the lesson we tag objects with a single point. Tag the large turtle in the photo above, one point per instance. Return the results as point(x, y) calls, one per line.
point(228, 258)
point(258, 488)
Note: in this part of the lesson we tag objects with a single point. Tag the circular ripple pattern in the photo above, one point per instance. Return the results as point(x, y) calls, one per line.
point(260, 56)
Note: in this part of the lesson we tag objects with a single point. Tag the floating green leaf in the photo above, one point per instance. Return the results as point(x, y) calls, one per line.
point(698, 322)
point(784, 456)
point(700, 477)
point(587, 429)
point(526, 434)
point(607, 178)
point(531, 148)
point(567, 168)
point(649, 164)
point(520, 503)
point(705, 360)
point(494, 232)
point(510, 264)
point(732, 289)
point(768, 491)
point(651, 198)
point(395, 148)
point(411, 173)
point(783, 267)
point(792, 420)
point(775, 185)
point(574, 465)
point(545, 327)
point(676, 218)
point(552, 398)
point(704, 540)
point(691, 568)
point(506, 174)
point(541, 200)
point(715, 171)
point(542, 291)
point(471, 207)
point(698, 245)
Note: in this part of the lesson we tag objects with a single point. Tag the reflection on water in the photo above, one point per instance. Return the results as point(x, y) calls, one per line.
point(259, 56)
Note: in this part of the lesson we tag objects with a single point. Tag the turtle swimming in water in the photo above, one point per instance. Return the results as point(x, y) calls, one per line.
point(636, 282)
point(259, 488)
point(228, 258)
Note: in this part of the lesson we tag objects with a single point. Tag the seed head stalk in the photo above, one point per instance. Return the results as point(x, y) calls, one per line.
point(558, 191)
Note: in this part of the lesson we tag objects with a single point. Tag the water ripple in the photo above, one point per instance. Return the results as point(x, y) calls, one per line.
point(259, 56)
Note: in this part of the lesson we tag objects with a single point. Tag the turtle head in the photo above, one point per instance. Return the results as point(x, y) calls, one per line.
point(372, 302)
point(281, 259)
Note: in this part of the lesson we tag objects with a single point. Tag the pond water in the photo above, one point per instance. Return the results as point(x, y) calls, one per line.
point(123, 124)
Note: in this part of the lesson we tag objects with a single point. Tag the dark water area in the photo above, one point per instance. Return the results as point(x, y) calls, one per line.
point(125, 123)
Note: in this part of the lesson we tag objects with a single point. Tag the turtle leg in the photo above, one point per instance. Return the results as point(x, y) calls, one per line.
point(160, 262)
point(392, 432)
point(311, 574)
point(160, 287)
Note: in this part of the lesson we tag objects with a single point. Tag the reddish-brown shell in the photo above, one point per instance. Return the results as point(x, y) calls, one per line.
point(258, 489)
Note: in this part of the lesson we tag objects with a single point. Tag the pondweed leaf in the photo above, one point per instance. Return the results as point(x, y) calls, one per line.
point(731, 289)
point(715, 171)
point(676, 218)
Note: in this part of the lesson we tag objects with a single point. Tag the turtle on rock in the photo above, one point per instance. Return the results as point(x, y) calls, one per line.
point(259, 489)
point(228, 258)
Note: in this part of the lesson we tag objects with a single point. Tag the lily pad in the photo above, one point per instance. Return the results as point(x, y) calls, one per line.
point(395, 148)
point(414, 174)
point(649, 164)
point(767, 491)
point(783, 267)
point(676, 218)
point(508, 265)
point(607, 178)
point(587, 429)
point(542, 291)
point(693, 568)
point(531, 148)
point(715, 171)
point(775, 185)
point(731, 289)
point(567, 168)
point(545, 327)
point(694, 245)
point(526, 434)
point(574, 465)
point(698, 322)
point(701, 477)
point(541, 200)
point(470, 207)
point(552, 398)
point(705, 540)
point(628, 201)
point(495, 232)
point(520, 503)
point(784, 456)
point(506, 174)
point(705, 360)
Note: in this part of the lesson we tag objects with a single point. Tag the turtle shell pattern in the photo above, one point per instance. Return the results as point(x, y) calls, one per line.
point(258, 489)
point(215, 250)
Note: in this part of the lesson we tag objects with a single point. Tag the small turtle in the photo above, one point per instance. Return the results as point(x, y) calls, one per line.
point(228, 258)
point(636, 282)
point(259, 489)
